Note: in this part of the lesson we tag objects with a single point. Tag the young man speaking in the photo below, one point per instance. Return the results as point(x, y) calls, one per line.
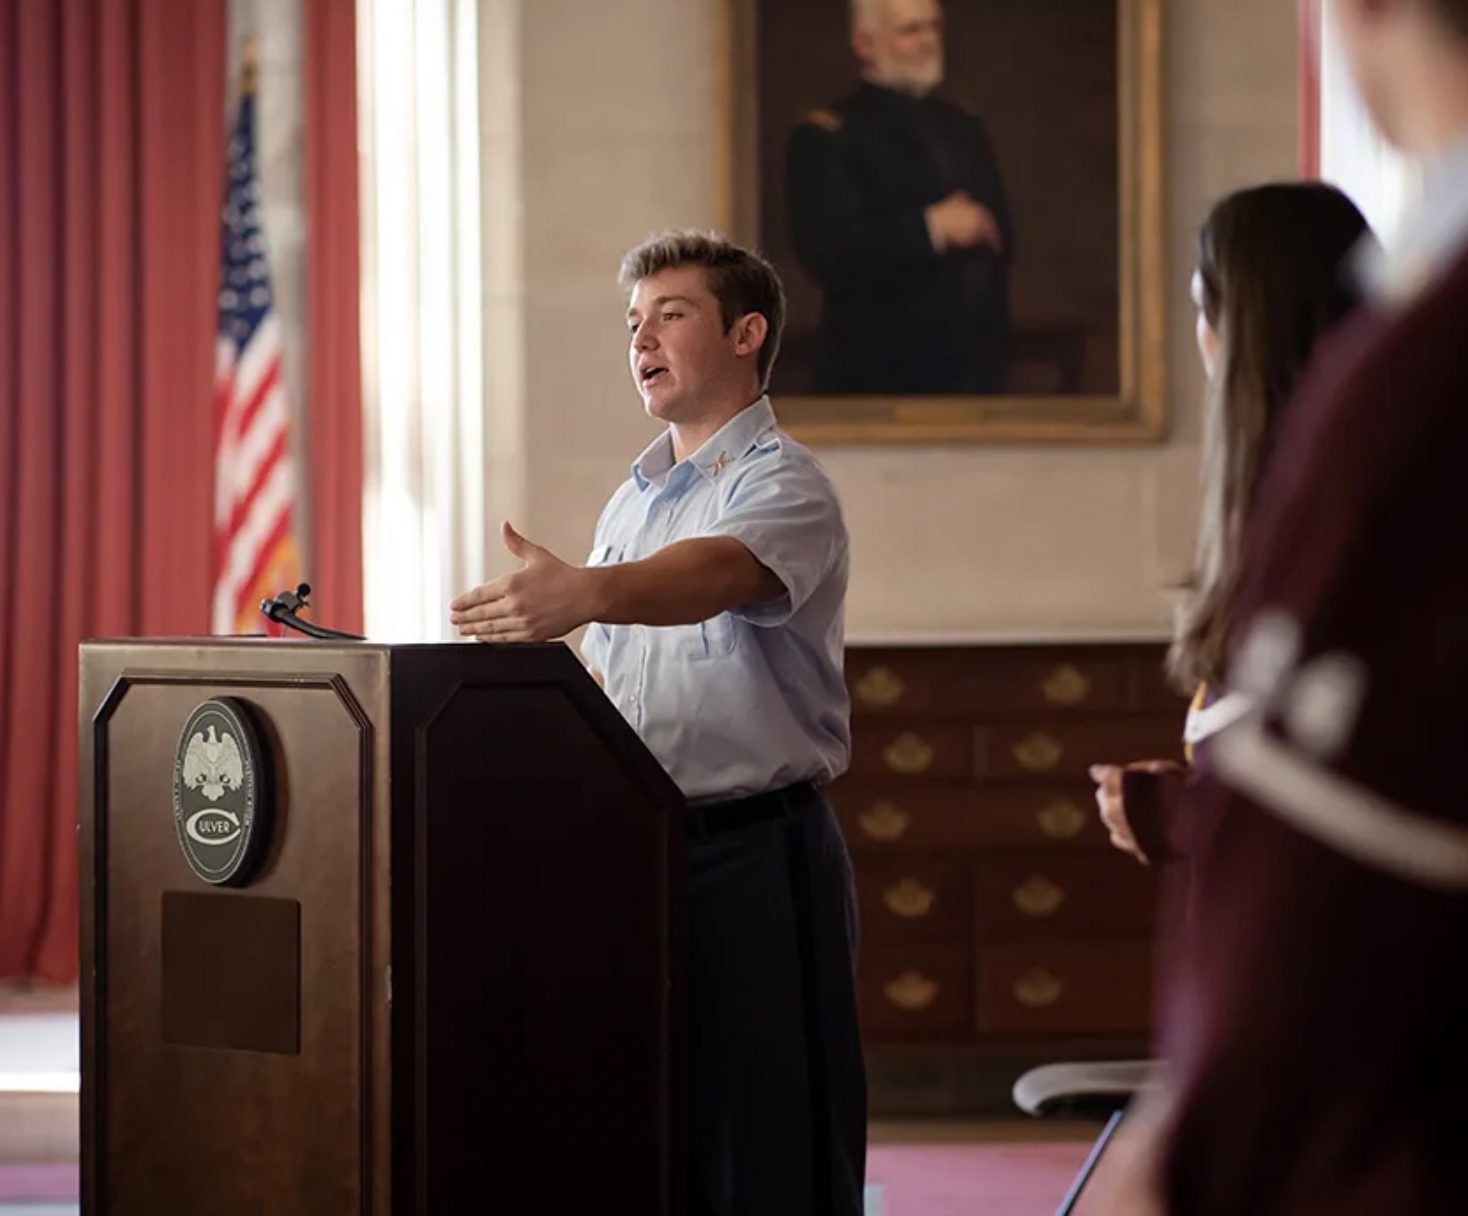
point(715, 598)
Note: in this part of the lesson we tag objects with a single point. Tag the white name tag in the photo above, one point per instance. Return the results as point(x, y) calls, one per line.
point(1205, 723)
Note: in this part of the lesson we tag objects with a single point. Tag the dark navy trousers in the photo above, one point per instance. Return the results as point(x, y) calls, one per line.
point(778, 1086)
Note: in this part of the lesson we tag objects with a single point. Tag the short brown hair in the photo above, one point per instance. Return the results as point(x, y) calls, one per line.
point(741, 281)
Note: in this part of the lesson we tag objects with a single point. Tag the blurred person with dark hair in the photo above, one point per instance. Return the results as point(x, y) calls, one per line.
point(1273, 278)
point(1313, 1018)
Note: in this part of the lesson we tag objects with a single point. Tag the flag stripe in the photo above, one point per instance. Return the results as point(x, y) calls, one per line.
point(247, 500)
point(251, 588)
point(257, 399)
point(239, 460)
point(253, 445)
point(253, 361)
point(243, 549)
point(274, 497)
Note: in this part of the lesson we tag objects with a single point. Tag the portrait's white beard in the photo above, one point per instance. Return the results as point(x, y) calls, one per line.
point(918, 77)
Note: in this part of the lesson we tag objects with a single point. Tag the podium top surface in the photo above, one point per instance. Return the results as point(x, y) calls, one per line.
point(260, 641)
point(241, 657)
point(377, 674)
point(549, 659)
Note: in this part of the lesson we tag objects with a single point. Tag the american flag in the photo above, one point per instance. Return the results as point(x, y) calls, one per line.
point(254, 478)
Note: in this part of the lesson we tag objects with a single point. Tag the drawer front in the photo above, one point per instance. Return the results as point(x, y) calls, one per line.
point(1038, 896)
point(889, 816)
point(913, 749)
point(917, 993)
point(914, 897)
point(968, 681)
point(1152, 691)
point(893, 681)
point(1056, 749)
point(1075, 989)
point(1053, 682)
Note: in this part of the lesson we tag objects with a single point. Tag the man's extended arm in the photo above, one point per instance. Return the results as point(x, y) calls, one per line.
point(687, 582)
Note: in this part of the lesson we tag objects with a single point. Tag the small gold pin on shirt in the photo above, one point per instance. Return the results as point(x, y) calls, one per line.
point(718, 466)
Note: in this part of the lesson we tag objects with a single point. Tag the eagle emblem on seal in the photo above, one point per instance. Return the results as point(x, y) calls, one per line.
point(213, 763)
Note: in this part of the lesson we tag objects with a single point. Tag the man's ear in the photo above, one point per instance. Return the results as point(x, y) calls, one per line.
point(750, 332)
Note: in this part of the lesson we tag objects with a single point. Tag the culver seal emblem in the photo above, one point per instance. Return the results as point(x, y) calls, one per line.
point(219, 793)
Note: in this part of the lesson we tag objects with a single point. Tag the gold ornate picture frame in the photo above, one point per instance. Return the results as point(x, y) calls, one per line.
point(1133, 409)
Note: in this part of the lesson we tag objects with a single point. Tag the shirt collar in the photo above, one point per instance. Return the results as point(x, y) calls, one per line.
point(735, 439)
point(1431, 238)
point(655, 463)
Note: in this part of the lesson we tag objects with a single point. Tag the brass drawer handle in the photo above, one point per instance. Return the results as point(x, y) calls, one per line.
point(1061, 819)
point(1039, 752)
point(885, 822)
point(1066, 685)
point(1038, 988)
point(912, 991)
point(910, 899)
point(1037, 896)
point(880, 686)
point(909, 755)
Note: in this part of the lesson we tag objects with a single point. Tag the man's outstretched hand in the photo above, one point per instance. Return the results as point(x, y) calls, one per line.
point(545, 599)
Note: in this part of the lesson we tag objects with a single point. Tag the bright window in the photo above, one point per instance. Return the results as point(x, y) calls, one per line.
point(1382, 182)
point(423, 486)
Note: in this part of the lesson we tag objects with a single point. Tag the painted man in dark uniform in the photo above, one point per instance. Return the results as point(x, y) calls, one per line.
point(1315, 1017)
point(898, 212)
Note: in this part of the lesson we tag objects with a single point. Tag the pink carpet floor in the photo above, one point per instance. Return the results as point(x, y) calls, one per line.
point(1026, 1179)
point(38, 1183)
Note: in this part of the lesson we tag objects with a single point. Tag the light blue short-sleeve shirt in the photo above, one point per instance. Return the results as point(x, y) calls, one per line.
point(753, 699)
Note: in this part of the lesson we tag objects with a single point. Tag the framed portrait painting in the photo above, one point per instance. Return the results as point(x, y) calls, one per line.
point(964, 200)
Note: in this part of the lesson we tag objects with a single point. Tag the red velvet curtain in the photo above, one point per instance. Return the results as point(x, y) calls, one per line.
point(111, 171)
point(334, 377)
point(112, 116)
point(1309, 19)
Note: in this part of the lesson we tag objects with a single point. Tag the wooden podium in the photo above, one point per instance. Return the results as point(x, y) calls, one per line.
point(408, 944)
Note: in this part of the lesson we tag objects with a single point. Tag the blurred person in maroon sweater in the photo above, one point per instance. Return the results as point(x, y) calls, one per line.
point(1273, 277)
point(1314, 1013)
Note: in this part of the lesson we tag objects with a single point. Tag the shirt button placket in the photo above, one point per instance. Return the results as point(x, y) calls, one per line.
point(640, 632)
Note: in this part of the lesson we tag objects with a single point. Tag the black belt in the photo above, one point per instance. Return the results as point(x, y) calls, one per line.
point(711, 818)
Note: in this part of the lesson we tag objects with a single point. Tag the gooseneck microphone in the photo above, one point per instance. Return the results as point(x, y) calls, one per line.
point(283, 608)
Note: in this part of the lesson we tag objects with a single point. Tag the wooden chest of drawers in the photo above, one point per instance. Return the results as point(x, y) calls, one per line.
point(994, 911)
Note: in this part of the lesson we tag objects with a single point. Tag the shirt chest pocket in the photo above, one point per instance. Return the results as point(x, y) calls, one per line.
point(711, 639)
